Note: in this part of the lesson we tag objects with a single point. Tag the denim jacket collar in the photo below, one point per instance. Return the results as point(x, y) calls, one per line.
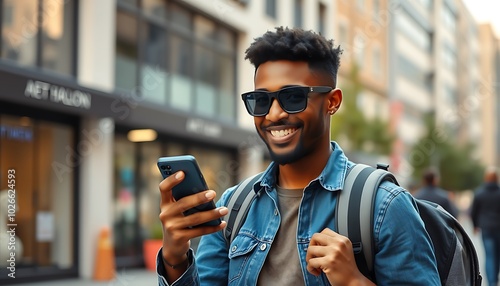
point(331, 178)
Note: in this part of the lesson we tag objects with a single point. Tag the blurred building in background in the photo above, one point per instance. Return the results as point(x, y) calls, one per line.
point(93, 92)
point(488, 95)
point(434, 69)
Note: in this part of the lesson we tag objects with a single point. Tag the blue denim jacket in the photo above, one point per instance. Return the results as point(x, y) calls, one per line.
point(404, 252)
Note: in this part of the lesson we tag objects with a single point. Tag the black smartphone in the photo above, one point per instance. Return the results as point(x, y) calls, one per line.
point(193, 182)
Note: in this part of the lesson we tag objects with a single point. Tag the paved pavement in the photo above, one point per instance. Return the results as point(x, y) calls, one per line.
point(124, 277)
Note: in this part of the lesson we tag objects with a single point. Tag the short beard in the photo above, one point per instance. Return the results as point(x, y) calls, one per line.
point(283, 159)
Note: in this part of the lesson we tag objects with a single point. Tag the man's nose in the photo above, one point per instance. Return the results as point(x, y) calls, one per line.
point(276, 112)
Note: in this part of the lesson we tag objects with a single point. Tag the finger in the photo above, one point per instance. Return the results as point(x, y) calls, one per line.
point(198, 218)
point(202, 230)
point(315, 251)
point(313, 266)
point(166, 187)
point(329, 232)
point(328, 236)
point(191, 201)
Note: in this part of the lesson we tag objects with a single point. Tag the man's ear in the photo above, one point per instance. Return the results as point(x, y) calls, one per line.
point(334, 100)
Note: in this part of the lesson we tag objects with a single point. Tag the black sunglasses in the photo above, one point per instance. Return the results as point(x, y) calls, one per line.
point(291, 99)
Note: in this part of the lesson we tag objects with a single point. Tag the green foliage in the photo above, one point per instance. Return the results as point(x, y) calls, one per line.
point(456, 164)
point(156, 231)
point(350, 123)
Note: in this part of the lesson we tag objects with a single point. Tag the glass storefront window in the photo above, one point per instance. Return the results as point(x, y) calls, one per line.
point(125, 194)
point(149, 195)
point(19, 31)
point(137, 198)
point(219, 168)
point(36, 151)
point(57, 35)
point(126, 52)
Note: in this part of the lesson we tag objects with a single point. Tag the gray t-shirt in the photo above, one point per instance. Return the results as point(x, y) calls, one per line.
point(282, 265)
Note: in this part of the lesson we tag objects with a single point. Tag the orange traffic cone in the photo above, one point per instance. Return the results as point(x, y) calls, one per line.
point(104, 266)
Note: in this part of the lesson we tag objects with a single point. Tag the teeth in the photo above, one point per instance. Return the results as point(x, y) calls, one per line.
point(281, 133)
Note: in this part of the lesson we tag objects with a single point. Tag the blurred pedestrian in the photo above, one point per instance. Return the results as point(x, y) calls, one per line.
point(431, 192)
point(485, 213)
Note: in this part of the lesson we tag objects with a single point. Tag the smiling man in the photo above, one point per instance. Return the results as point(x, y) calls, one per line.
point(289, 236)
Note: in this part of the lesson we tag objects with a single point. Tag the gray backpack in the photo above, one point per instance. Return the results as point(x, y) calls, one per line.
point(455, 253)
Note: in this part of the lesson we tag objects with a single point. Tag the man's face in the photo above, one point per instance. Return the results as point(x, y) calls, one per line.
point(290, 137)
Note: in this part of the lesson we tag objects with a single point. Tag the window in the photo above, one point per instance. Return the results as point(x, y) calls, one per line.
point(449, 18)
point(298, 22)
point(184, 61)
point(359, 49)
point(156, 9)
point(36, 152)
point(377, 66)
point(413, 31)
point(449, 57)
point(413, 72)
point(39, 35)
point(57, 36)
point(343, 33)
point(271, 8)
point(426, 3)
point(126, 52)
point(136, 179)
point(154, 76)
point(181, 80)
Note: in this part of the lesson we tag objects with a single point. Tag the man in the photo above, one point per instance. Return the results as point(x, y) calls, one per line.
point(485, 213)
point(289, 235)
point(431, 192)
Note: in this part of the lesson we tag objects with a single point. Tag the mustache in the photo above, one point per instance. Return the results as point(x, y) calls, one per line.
point(280, 123)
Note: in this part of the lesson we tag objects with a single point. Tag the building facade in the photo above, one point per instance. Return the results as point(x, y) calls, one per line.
point(434, 69)
point(93, 92)
point(487, 95)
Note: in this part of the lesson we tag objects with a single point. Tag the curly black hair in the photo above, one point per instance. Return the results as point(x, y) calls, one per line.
point(296, 45)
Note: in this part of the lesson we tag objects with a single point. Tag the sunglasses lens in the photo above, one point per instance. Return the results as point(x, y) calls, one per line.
point(293, 100)
point(257, 103)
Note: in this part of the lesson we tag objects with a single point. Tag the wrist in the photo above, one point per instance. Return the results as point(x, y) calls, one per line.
point(176, 263)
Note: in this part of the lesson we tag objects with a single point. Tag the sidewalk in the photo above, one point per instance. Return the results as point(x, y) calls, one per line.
point(124, 277)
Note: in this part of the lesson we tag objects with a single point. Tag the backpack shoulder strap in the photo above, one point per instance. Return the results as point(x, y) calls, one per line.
point(354, 211)
point(238, 205)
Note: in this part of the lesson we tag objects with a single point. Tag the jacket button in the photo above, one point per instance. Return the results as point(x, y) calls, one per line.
point(275, 211)
point(233, 249)
point(263, 247)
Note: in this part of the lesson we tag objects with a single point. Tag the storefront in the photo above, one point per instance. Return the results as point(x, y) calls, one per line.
point(39, 166)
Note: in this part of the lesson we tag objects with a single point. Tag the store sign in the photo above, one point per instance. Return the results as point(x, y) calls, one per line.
point(62, 95)
point(15, 133)
point(200, 126)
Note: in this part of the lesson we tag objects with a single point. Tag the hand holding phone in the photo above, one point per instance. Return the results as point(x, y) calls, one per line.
point(193, 182)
